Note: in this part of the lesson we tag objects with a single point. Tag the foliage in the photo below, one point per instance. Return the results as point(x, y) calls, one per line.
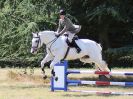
point(120, 57)
point(18, 19)
point(105, 19)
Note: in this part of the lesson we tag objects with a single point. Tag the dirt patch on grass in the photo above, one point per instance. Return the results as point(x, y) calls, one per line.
point(17, 76)
point(27, 78)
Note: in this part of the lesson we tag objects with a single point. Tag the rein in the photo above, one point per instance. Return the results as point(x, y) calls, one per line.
point(52, 41)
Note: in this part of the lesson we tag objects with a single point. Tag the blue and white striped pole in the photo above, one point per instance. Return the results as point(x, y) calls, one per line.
point(105, 83)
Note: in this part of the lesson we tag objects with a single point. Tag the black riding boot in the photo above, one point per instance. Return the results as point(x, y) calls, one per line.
point(73, 44)
point(76, 46)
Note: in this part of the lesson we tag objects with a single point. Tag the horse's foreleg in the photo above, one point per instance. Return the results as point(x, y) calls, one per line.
point(55, 61)
point(45, 60)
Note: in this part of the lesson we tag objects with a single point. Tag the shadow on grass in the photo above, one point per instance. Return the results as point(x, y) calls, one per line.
point(24, 86)
point(86, 95)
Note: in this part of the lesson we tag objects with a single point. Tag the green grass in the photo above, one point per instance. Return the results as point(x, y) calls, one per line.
point(16, 85)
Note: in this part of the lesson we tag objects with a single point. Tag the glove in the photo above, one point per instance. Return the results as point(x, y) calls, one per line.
point(57, 35)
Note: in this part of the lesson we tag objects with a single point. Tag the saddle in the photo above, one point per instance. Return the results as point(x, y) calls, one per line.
point(73, 43)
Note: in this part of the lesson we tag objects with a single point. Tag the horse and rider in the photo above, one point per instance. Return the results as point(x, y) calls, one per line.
point(60, 47)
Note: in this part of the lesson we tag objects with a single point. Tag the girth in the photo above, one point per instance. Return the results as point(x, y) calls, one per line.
point(66, 53)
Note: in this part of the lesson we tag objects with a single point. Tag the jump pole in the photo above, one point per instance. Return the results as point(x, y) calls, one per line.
point(62, 82)
point(99, 72)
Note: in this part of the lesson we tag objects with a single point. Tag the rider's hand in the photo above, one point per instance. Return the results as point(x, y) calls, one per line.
point(57, 35)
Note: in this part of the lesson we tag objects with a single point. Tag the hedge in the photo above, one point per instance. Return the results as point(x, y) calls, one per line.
point(116, 57)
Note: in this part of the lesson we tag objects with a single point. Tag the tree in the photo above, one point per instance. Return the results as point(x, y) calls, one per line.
point(18, 19)
point(104, 17)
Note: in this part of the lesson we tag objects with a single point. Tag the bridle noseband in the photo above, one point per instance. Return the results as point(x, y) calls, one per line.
point(39, 41)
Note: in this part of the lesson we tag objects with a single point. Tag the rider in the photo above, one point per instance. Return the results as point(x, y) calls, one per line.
point(68, 28)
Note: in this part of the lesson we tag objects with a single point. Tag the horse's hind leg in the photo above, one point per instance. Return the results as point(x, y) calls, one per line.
point(99, 66)
point(102, 66)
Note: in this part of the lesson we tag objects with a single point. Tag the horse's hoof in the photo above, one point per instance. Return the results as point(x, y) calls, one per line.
point(53, 73)
point(103, 78)
point(24, 72)
point(56, 78)
point(45, 77)
point(111, 77)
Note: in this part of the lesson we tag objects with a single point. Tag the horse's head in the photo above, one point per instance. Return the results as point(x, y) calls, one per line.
point(44, 37)
point(36, 42)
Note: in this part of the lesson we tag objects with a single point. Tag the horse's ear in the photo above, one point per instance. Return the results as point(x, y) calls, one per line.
point(33, 34)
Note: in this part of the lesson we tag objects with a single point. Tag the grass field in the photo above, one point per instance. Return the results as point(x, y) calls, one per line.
point(16, 85)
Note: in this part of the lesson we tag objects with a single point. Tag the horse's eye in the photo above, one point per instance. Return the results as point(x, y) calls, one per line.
point(36, 41)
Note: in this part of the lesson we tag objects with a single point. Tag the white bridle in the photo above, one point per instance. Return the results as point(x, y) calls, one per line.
point(39, 43)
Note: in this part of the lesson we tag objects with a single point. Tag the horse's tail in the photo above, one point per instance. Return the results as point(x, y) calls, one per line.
point(99, 45)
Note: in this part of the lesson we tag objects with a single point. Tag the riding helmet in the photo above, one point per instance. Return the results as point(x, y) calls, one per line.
point(62, 12)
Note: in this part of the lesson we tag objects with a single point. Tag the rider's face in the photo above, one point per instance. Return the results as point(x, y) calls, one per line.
point(62, 17)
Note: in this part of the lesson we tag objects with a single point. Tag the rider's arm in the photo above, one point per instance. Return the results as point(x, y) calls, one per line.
point(59, 27)
point(63, 31)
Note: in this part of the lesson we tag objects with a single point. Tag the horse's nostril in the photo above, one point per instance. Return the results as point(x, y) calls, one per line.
point(32, 51)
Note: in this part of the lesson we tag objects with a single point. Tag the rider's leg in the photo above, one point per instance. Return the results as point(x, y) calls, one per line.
point(76, 46)
point(70, 38)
